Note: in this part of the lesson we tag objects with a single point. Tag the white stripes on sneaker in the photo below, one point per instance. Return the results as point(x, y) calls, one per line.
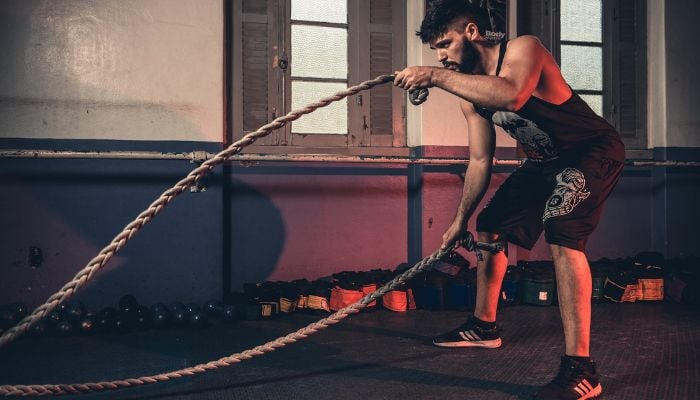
point(583, 387)
point(586, 390)
point(469, 336)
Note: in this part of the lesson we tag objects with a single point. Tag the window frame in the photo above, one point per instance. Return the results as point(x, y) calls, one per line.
point(359, 140)
point(611, 30)
point(637, 145)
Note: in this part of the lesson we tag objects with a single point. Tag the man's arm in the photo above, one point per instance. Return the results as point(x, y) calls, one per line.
point(510, 90)
point(482, 142)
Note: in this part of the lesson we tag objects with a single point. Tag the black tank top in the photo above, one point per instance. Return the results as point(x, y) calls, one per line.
point(548, 131)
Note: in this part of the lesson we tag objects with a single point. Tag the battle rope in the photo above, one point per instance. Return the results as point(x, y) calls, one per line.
point(119, 241)
point(67, 291)
point(40, 390)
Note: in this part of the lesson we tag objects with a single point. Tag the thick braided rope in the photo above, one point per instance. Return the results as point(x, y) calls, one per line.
point(77, 388)
point(67, 291)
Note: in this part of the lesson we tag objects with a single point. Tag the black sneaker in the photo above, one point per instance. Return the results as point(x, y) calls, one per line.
point(574, 382)
point(470, 335)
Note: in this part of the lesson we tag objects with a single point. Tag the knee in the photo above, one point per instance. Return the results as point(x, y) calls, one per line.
point(488, 237)
point(560, 252)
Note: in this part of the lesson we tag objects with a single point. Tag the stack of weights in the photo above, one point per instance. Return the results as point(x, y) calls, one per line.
point(509, 287)
point(438, 290)
point(401, 298)
point(537, 285)
point(289, 294)
point(314, 297)
point(621, 282)
point(431, 290)
point(682, 283)
point(263, 299)
point(268, 299)
point(461, 290)
point(641, 278)
point(651, 277)
point(349, 287)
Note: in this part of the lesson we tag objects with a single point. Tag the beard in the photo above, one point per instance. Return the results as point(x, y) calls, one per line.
point(470, 57)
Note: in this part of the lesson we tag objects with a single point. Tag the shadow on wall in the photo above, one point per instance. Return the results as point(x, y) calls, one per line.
point(72, 208)
point(257, 235)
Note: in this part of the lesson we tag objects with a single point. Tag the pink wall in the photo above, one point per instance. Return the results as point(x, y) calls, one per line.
point(323, 224)
point(288, 226)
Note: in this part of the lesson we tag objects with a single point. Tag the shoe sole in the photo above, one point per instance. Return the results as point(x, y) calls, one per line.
point(487, 344)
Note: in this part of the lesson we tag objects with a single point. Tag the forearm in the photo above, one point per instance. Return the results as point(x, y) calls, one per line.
point(491, 92)
point(476, 181)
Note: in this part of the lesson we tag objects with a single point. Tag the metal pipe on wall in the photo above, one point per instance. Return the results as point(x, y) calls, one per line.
point(199, 156)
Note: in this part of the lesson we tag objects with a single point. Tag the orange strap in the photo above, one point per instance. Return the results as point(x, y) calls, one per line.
point(399, 300)
point(368, 289)
point(341, 298)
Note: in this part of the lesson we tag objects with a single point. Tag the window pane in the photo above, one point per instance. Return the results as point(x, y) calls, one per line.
point(582, 67)
point(581, 20)
point(330, 119)
point(595, 101)
point(320, 10)
point(319, 52)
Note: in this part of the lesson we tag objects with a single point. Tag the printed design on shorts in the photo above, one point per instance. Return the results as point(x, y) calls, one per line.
point(569, 192)
point(536, 143)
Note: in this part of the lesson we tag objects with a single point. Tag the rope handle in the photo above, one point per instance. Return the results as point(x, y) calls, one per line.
point(416, 97)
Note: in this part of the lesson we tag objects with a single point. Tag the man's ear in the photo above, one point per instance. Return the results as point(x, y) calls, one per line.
point(471, 31)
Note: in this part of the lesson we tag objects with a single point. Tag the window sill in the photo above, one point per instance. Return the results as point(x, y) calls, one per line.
point(428, 151)
point(340, 151)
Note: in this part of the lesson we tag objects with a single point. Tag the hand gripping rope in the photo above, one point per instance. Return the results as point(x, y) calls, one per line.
point(66, 292)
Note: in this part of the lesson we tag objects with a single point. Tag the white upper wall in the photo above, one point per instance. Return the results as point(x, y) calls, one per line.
point(127, 70)
point(152, 70)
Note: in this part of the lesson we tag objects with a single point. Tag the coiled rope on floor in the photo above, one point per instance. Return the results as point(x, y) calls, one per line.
point(120, 240)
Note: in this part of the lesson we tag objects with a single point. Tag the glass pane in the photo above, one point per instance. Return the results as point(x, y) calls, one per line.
point(595, 101)
point(330, 119)
point(320, 10)
point(319, 52)
point(582, 67)
point(581, 20)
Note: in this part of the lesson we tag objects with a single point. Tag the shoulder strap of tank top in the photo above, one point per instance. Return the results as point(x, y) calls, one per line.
point(501, 54)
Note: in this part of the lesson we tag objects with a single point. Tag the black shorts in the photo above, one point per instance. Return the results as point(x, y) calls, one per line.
point(563, 197)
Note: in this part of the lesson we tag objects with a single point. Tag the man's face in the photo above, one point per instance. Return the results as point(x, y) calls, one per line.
point(456, 52)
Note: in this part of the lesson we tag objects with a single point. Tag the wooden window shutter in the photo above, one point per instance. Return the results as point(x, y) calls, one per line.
point(256, 80)
point(386, 41)
point(629, 74)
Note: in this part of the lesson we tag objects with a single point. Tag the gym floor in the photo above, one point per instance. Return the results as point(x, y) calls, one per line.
point(644, 351)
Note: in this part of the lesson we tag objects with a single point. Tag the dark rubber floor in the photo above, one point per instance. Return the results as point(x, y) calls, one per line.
point(644, 351)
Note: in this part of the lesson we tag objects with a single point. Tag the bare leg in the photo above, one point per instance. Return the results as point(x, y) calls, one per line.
point(489, 277)
point(574, 290)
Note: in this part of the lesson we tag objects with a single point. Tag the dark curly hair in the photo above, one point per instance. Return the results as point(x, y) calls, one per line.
point(440, 14)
